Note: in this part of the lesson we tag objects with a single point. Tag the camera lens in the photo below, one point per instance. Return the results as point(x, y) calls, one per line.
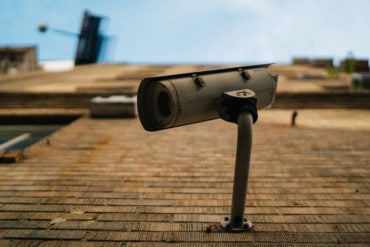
point(164, 104)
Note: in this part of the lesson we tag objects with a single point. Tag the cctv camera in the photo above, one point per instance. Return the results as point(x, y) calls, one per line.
point(176, 100)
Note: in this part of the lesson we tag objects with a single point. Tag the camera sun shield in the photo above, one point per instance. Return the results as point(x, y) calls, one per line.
point(181, 99)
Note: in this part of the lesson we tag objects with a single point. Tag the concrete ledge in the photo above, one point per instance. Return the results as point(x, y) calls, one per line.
point(116, 106)
point(9, 157)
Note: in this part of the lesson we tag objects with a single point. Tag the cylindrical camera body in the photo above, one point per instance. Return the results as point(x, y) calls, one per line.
point(170, 101)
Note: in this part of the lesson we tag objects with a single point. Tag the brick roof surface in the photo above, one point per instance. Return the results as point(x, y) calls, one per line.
point(107, 182)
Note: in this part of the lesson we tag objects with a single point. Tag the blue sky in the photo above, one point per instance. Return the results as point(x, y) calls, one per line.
point(196, 31)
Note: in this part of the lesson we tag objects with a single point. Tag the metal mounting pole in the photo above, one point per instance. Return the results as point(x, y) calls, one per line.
point(240, 107)
point(237, 222)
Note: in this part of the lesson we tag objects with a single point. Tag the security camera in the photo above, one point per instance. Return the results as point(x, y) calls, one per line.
point(181, 99)
point(233, 94)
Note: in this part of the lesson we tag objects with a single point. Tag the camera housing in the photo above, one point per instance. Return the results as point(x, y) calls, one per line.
point(181, 99)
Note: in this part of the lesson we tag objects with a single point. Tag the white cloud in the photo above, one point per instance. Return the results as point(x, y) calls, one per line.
point(260, 7)
point(279, 30)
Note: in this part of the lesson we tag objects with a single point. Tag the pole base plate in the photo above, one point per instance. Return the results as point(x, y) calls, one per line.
point(228, 227)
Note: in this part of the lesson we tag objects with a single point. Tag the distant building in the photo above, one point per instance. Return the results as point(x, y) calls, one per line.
point(350, 65)
point(15, 59)
point(300, 61)
point(314, 62)
point(322, 62)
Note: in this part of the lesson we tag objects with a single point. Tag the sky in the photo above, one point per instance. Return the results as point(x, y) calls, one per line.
point(195, 31)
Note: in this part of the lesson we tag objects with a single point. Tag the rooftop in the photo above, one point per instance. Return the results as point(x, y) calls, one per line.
point(107, 182)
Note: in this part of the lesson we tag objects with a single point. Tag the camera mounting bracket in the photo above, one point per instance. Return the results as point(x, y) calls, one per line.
point(235, 102)
point(240, 107)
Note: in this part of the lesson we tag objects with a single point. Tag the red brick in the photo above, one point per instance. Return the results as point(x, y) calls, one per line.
point(45, 234)
point(72, 243)
point(12, 243)
point(22, 224)
point(100, 182)
point(135, 217)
